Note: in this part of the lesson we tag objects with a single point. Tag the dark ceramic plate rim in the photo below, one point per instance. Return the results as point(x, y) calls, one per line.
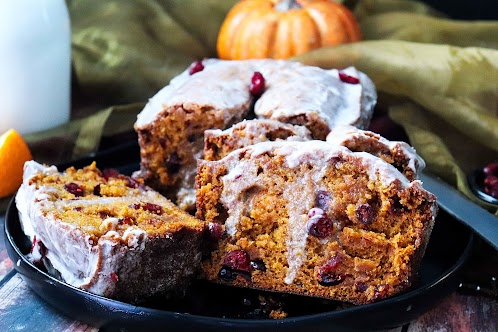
point(154, 313)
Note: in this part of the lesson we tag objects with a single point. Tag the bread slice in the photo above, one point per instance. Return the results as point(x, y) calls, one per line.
point(107, 233)
point(316, 219)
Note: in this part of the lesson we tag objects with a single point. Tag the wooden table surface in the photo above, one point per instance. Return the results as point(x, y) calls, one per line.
point(22, 310)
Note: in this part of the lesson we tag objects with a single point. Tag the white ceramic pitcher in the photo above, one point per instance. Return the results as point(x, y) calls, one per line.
point(35, 64)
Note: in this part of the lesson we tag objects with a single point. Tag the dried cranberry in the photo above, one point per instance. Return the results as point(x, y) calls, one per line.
point(125, 220)
point(322, 200)
point(153, 208)
point(74, 189)
point(215, 231)
point(491, 169)
point(327, 274)
point(365, 213)
point(380, 292)
point(196, 67)
point(237, 260)
point(110, 173)
point(258, 264)
point(348, 78)
point(33, 244)
point(361, 287)
point(320, 226)
point(96, 190)
point(173, 163)
point(114, 277)
point(132, 183)
point(490, 181)
point(257, 86)
point(78, 209)
point(492, 191)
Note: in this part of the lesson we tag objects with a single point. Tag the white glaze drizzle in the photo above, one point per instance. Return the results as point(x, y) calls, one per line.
point(342, 134)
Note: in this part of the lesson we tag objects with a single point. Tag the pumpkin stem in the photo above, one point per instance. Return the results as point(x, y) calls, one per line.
point(285, 5)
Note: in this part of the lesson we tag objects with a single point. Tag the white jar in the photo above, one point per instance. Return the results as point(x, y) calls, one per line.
point(35, 64)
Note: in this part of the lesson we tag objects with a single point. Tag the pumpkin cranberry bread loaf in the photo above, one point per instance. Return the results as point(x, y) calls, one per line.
point(218, 143)
point(315, 219)
point(215, 94)
point(399, 154)
point(107, 233)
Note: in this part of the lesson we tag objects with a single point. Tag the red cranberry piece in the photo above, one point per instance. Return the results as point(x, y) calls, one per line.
point(492, 191)
point(491, 185)
point(33, 244)
point(320, 226)
point(327, 274)
point(322, 200)
point(215, 231)
point(237, 260)
point(114, 277)
point(258, 264)
point(153, 208)
point(491, 169)
point(257, 86)
point(74, 189)
point(110, 173)
point(125, 220)
point(78, 209)
point(490, 181)
point(132, 183)
point(196, 67)
point(96, 190)
point(361, 287)
point(380, 292)
point(365, 213)
point(348, 78)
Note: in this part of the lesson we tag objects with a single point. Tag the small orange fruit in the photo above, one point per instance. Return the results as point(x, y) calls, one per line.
point(14, 152)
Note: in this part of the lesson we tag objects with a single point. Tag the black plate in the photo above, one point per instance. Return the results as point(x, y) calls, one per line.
point(211, 307)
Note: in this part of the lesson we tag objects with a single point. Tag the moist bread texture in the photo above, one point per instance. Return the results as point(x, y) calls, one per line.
point(315, 219)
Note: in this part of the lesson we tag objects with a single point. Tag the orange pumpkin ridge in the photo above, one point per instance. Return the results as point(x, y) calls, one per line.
point(285, 28)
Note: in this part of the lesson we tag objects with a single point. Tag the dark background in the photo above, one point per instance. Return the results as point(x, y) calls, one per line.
point(467, 10)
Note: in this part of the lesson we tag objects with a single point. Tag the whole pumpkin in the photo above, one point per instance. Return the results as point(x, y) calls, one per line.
point(255, 29)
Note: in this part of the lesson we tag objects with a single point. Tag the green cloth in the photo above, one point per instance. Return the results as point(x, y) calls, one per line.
point(436, 77)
